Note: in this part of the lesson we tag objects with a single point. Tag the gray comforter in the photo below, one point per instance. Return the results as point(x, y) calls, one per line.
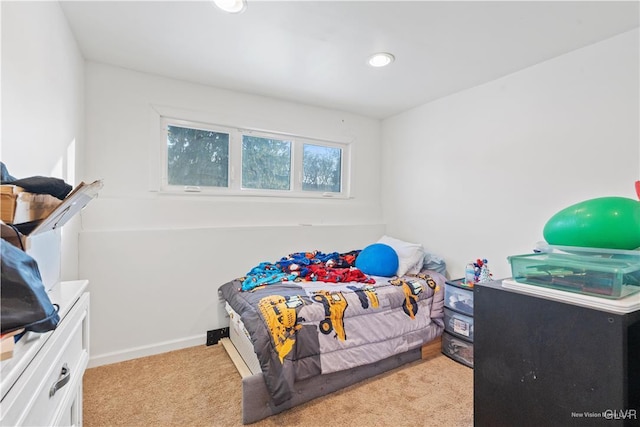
point(304, 329)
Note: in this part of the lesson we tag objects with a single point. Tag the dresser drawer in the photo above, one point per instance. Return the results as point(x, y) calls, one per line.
point(41, 393)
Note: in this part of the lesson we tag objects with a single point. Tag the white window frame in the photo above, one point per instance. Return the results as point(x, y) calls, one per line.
point(164, 186)
point(234, 187)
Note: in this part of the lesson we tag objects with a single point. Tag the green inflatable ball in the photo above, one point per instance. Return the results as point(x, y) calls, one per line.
point(605, 222)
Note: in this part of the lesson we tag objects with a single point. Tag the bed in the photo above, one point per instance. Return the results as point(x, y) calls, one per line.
point(295, 338)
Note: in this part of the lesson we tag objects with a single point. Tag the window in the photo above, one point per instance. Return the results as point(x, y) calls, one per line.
point(216, 159)
point(197, 157)
point(322, 168)
point(266, 163)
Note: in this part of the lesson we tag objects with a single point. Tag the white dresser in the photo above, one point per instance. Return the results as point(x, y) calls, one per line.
point(41, 385)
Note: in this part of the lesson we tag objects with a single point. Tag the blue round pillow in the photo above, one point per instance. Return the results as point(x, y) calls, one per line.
point(378, 259)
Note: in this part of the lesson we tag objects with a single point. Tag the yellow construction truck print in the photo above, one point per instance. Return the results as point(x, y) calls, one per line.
point(281, 318)
point(335, 305)
point(412, 290)
point(366, 294)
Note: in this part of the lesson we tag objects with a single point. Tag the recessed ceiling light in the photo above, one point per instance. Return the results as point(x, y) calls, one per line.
point(231, 6)
point(381, 59)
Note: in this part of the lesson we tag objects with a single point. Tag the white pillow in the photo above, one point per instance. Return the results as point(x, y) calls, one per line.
point(410, 255)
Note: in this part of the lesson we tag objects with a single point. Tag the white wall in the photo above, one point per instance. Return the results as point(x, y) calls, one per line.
point(479, 173)
point(155, 261)
point(42, 102)
point(156, 290)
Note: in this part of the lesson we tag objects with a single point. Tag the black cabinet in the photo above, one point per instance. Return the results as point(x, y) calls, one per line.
point(543, 362)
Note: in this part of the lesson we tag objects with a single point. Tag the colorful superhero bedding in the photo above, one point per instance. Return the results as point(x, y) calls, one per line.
point(325, 318)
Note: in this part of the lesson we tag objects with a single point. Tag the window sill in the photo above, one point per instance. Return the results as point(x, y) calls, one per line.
point(194, 193)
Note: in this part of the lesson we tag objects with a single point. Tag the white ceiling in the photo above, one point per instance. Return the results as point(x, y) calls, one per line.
point(315, 52)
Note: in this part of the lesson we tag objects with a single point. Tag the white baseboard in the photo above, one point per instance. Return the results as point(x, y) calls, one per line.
point(149, 350)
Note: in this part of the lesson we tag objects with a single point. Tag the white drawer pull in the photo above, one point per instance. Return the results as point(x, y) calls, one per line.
point(65, 376)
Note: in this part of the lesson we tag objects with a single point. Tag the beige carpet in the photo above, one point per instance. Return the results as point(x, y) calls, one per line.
point(200, 386)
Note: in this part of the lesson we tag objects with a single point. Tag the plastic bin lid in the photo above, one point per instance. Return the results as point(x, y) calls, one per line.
point(628, 304)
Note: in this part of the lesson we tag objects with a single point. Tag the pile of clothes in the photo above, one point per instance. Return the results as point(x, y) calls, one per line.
point(312, 266)
point(36, 184)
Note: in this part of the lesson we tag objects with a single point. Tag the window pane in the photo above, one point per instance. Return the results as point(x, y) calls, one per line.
point(322, 168)
point(197, 157)
point(266, 163)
